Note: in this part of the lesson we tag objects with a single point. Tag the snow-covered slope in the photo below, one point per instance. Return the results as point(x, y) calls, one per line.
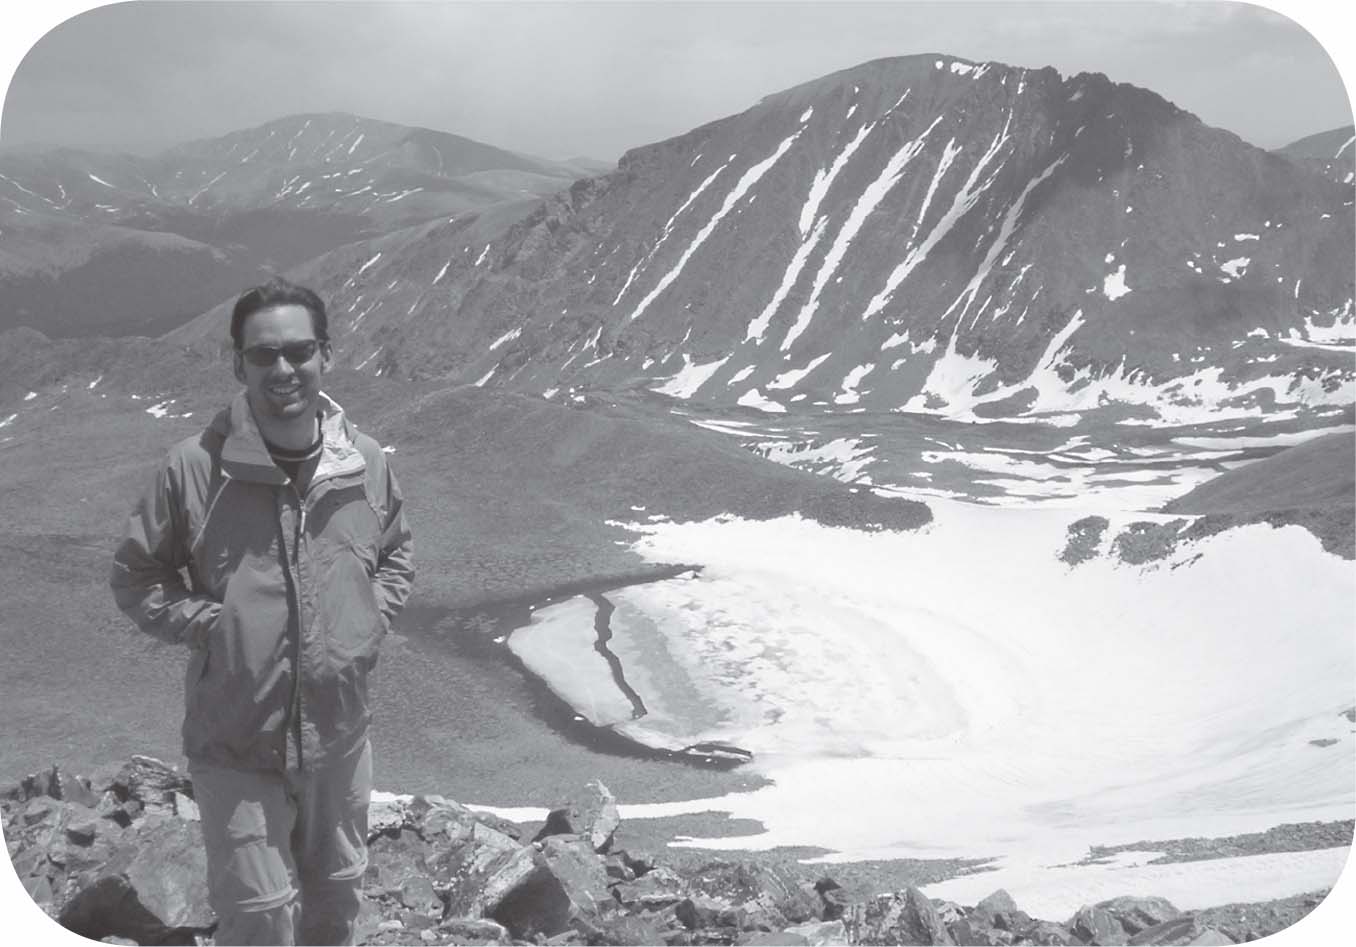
point(962, 692)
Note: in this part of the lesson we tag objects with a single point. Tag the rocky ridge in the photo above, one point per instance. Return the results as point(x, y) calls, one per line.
point(117, 856)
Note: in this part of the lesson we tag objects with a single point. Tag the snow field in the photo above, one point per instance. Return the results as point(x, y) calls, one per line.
point(960, 692)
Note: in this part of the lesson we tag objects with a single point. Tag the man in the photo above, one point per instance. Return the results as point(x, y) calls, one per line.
point(288, 523)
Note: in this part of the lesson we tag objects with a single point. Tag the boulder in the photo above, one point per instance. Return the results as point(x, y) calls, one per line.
point(152, 889)
point(417, 894)
point(1000, 902)
point(699, 912)
point(624, 929)
point(1094, 925)
point(904, 917)
point(148, 784)
point(975, 931)
point(184, 806)
point(537, 908)
point(1136, 914)
point(821, 933)
point(948, 912)
point(1048, 934)
point(616, 867)
point(833, 899)
point(771, 939)
point(771, 893)
point(580, 872)
point(655, 889)
point(1014, 921)
point(82, 826)
point(638, 862)
point(593, 815)
point(1184, 929)
point(477, 866)
point(473, 931)
point(393, 859)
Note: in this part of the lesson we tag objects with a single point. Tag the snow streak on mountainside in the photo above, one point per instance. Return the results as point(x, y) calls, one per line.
point(921, 233)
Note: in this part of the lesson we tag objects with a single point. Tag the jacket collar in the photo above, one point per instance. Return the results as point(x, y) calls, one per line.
point(244, 456)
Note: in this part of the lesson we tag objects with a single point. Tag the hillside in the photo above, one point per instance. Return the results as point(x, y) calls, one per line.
point(1330, 153)
point(253, 202)
point(1319, 473)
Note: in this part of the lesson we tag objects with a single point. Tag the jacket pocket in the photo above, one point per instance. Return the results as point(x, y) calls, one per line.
point(239, 683)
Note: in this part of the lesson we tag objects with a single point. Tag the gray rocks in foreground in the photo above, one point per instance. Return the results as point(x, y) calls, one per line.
point(118, 857)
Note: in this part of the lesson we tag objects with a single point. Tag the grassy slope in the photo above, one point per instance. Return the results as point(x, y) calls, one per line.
point(1311, 485)
point(1321, 472)
point(515, 490)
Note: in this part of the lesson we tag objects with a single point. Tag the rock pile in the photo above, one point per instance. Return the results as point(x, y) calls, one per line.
point(118, 856)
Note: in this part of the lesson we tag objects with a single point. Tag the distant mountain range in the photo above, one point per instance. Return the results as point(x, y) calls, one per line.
point(1332, 153)
point(920, 233)
point(96, 243)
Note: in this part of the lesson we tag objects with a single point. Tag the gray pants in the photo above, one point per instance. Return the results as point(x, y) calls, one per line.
point(286, 851)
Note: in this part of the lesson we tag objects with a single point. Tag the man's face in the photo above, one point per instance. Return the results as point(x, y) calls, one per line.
point(281, 390)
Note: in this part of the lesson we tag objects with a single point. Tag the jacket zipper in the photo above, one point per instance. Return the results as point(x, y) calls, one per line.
point(295, 726)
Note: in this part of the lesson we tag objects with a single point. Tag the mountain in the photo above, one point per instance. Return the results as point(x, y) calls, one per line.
point(1330, 153)
point(242, 206)
point(920, 233)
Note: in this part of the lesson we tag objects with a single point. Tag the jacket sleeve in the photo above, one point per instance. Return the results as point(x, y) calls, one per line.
point(395, 559)
point(145, 579)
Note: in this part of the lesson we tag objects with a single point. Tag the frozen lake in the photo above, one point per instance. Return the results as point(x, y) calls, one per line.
point(960, 691)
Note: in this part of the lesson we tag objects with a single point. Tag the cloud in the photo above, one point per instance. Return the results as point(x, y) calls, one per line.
point(597, 78)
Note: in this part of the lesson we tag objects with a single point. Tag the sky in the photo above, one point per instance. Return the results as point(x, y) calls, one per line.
point(566, 79)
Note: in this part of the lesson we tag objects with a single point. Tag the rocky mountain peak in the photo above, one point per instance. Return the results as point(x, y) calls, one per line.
point(922, 233)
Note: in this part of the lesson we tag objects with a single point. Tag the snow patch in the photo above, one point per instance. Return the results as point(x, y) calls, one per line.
point(753, 398)
point(508, 336)
point(790, 378)
point(849, 393)
point(1113, 286)
point(842, 458)
point(690, 377)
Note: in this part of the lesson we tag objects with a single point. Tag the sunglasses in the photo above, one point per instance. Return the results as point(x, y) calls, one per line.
point(297, 353)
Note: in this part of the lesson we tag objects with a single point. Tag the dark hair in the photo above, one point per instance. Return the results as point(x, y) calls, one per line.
point(278, 292)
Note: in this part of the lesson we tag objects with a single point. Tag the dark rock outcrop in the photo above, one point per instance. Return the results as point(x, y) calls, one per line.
point(118, 857)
